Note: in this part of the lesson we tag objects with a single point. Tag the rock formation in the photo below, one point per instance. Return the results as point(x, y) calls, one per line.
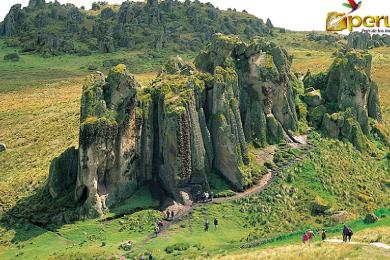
point(188, 122)
point(345, 98)
point(12, 22)
point(364, 41)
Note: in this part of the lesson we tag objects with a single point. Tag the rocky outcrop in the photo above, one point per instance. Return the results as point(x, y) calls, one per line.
point(324, 38)
point(13, 21)
point(364, 41)
point(345, 98)
point(269, 24)
point(36, 3)
point(359, 40)
point(188, 122)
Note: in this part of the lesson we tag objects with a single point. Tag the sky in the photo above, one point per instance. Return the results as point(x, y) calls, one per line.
point(298, 15)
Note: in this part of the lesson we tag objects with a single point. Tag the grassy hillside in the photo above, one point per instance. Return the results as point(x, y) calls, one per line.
point(39, 111)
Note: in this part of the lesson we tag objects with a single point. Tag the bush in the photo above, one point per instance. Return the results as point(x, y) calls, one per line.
point(319, 206)
point(370, 218)
point(12, 42)
point(177, 247)
point(12, 57)
point(92, 66)
point(84, 52)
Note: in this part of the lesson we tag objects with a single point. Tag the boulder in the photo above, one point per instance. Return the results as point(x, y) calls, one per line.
point(313, 98)
point(3, 147)
point(316, 115)
point(320, 206)
point(12, 57)
point(330, 126)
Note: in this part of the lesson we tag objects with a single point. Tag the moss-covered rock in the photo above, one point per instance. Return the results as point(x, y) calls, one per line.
point(370, 218)
point(313, 98)
point(320, 206)
point(316, 115)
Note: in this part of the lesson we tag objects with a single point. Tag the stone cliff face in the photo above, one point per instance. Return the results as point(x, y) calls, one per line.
point(346, 98)
point(192, 120)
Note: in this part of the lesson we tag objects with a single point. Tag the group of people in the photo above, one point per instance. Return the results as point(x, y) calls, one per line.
point(157, 227)
point(207, 224)
point(204, 197)
point(169, 215)
point(309, 235)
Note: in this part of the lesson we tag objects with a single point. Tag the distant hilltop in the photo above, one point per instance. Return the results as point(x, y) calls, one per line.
point(55, 29)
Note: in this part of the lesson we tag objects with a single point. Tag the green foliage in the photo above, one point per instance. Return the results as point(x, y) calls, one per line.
point(317, 81)
point(219, 185)
point(140, 221)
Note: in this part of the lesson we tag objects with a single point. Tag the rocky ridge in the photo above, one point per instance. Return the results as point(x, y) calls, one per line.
point(344, 100)
point(198, 118)
point(191, 120)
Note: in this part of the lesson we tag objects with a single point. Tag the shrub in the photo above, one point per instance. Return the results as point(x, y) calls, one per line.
point(92, 66)
point(370, 218)
point(177, 247)
point(12, 57)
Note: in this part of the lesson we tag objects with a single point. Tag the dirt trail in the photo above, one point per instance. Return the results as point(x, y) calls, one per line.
point(182, 211)
point(376, 244)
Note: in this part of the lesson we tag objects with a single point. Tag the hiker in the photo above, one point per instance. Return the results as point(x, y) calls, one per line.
point(308, 236)
point(215, 223)
point(151, 256)
point(323, 235)
point(172, 214)
point(206, 196)
point(347, 234)
point(197, 197)
point(305, 238)
point(211, 195)
point(156, 230)
point(168, 214)
point(160, 224)
point(206, 225)
point(311, 235)
point(350, 233)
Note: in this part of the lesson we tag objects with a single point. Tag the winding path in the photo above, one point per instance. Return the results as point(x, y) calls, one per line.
point(184, 210)
point(375, 244)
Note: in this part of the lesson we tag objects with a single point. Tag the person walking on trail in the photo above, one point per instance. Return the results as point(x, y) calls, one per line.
point(308, 236)
point(211, 195)
point(215, 223)
point(206, 225)
point(172, 214)
point(156, 230)
point(347, 234)
point(305, 238)
point(168, 214)
point(323, 235)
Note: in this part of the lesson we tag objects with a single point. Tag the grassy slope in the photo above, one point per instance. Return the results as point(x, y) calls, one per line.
point(52, 87)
